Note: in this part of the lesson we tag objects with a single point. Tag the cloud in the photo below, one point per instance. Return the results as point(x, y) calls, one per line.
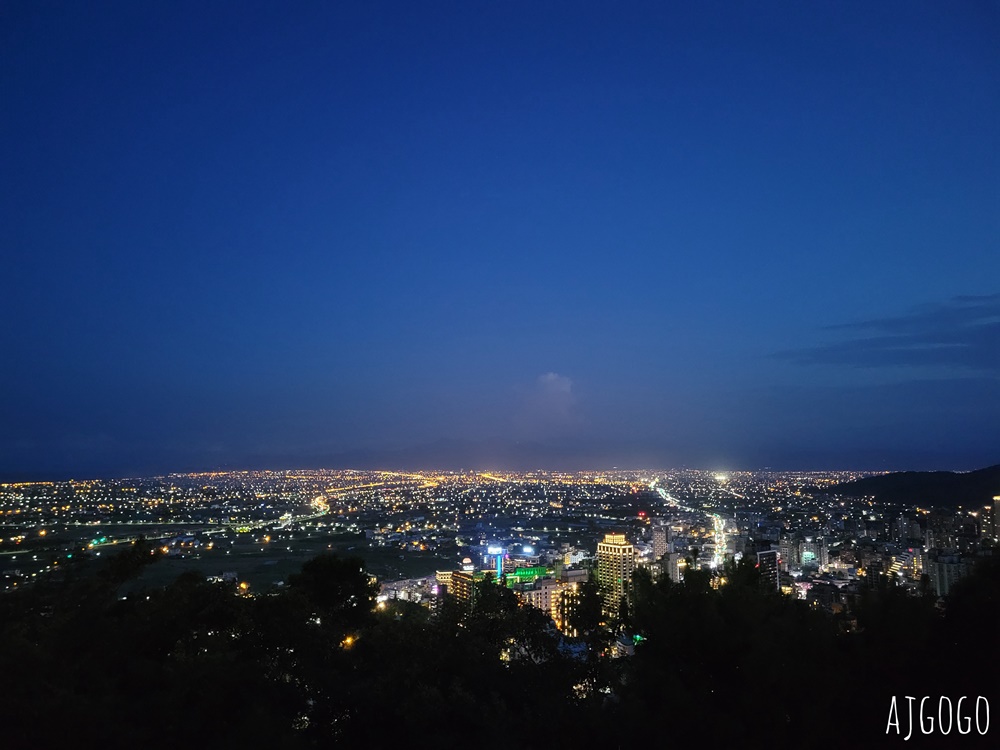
point(555, 389)
point(962, 334)
point(548, 407)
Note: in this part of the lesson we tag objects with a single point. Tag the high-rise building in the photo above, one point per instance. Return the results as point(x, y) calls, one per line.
point(444, 579)
point(995, 525)
point(542, 593)
point(814, 553)
point(462, 583)
point(463, 586)
point(945, 571)
point(495, 559)
point(767, 564)
point(790, 553)
point(661, 541)
point(615, 564)
point(674, 566)
point(904, 528)
point(566, 607)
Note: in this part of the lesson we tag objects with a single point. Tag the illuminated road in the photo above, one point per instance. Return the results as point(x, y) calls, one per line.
point(718, 524)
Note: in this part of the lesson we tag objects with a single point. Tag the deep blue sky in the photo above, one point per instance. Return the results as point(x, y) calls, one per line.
point(502, 233)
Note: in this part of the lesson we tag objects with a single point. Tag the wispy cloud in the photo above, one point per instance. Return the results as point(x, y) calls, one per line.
point(962, 334)
point(548, 406)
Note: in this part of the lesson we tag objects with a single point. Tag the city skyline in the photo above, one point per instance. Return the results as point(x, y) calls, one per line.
point(499, 237)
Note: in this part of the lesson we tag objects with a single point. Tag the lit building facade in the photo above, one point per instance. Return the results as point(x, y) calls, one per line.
point(463, 586)
point(615, 565)
point(814, 553)
point(443, 578)
point(661, 541)
point(543, 593)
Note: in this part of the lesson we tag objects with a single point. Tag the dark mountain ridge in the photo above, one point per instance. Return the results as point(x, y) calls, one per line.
point(928, 487)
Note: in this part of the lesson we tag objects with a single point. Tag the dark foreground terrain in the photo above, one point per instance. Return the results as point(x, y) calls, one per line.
point(319, 665)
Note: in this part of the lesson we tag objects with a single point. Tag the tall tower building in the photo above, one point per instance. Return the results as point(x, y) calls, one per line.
point(463, 586)
point(615, 563)
point(661, 541)
point(767, 563)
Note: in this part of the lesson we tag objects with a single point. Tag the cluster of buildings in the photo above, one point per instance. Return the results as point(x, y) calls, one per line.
point(826, 563)
point(552, 587)
point(545, 533)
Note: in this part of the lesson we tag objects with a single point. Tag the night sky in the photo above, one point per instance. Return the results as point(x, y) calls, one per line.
point(498, 235)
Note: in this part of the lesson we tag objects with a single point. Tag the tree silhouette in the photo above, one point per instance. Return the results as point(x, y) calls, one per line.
point(337, 587)
point(234, 669)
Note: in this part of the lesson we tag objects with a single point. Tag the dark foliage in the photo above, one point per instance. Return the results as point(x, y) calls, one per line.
point(317, 665)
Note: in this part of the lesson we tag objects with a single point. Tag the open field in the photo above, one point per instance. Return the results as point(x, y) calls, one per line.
point(264, 565)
